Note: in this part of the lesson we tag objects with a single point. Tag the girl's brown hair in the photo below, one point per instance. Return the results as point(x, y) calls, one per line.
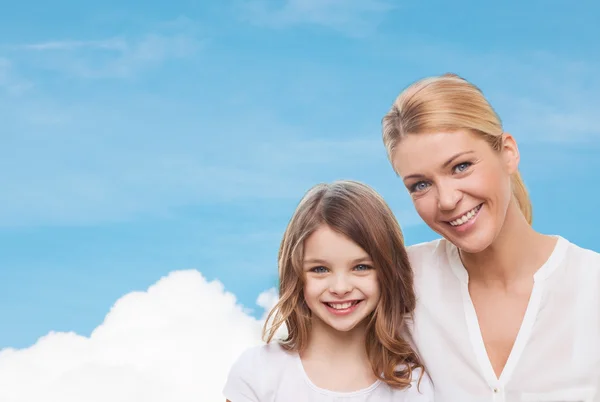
point(448, 103)
point(359, 213)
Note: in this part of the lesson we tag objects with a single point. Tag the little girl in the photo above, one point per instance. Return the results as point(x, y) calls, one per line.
point(345, 291)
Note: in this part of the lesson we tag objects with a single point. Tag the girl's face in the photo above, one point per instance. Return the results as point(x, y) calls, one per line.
point(341, 287)
point(459, 185)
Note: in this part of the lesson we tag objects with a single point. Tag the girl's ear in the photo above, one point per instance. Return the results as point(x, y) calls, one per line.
point(510, 153)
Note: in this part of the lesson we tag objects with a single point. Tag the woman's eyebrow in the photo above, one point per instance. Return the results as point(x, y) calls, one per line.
point(444, 165)
point(456, 156)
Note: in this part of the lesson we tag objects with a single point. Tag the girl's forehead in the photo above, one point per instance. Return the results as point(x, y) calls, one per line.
point(327, 244)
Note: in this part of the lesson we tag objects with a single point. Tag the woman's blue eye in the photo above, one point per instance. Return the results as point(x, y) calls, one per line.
point(362, 267)
point(461, 167)
point(419, 186)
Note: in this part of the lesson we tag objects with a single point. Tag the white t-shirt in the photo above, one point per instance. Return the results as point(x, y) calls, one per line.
point(268, 373)
point(556, 355)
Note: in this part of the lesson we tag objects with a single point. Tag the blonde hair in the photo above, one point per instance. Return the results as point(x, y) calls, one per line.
point(448, 103)
point(359, 213)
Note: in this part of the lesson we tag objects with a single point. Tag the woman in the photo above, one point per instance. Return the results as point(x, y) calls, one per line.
point(504, 313)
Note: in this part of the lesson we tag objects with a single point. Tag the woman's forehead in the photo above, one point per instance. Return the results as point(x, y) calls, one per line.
point(417, 152)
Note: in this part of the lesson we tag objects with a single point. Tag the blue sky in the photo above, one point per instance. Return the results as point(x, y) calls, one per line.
point(140, 138)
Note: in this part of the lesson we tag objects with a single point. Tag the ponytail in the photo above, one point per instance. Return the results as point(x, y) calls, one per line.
point(522, 196)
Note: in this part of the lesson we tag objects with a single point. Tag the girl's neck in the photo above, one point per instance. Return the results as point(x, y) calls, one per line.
point(337, 361)
point(327, 343)
point(515, 255)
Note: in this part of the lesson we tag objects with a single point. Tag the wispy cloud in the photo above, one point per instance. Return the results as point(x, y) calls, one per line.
point(556, 99)
point(127, 156)
point(130, 156)
point(112, 57)
point(96, 179)
point(351, 17)
point(10, 81)
point(544, 96)
point(174, 342)
point(66, 45)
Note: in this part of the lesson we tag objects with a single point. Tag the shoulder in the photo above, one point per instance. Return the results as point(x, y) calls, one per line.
point(581, 264)
point(253, 370)
point(583, 253)
point(427, 254)
point(270, 355)
point(420, 389)
point(425, 249)
point(581, 258)
point(266, 351)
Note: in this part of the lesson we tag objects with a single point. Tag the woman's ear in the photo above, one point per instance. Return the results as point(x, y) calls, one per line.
point(510, 153)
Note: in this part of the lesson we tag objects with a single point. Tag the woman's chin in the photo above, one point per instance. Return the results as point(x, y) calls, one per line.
point(471, 247)
point(472, 242)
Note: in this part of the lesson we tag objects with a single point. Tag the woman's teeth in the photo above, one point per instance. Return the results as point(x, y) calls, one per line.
point(342, 306)
point(466, 217)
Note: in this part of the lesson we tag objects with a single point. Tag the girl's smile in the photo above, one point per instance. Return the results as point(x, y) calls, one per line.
point(342, 308)
point(341, 287)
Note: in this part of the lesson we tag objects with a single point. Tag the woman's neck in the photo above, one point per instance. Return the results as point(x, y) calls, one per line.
point(516, 254)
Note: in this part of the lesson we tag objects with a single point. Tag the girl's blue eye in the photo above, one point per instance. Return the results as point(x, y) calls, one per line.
point(363, 267)
point(319, 270)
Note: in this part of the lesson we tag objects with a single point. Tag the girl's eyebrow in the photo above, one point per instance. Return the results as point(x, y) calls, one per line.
point(365, 258)
point(314, 261)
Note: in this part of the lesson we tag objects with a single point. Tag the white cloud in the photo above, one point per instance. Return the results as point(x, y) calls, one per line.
point(351, 17)
point(173, 343)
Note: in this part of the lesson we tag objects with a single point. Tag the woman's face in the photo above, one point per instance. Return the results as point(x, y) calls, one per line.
point(460, 186)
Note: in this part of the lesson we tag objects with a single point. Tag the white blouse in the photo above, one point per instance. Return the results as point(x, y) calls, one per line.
point(268, 373)
point(556, 355)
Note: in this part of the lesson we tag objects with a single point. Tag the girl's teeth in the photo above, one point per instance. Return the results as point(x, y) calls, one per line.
point(340, 306)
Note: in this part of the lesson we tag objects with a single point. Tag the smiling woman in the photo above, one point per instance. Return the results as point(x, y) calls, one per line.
point(463, 181)
point(503, 313)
